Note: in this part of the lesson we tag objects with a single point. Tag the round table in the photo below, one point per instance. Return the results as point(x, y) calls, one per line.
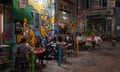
point(38, 50)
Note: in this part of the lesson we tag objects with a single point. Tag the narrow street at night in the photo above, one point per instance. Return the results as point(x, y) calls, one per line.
point(105, 60)
point(59, 35)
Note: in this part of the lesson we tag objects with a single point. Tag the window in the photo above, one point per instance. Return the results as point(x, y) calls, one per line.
point(36, 0)
point(36, 20)
point(95, 4)
point(87, 1)
point(104, 3)
point(109, 24)
point(118, 4)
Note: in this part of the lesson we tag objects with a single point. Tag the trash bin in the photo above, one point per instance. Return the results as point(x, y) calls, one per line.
point(113, 43)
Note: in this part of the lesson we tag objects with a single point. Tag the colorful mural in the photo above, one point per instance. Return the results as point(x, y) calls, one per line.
point(27, 33)
point(39, 13)
point(46, 10)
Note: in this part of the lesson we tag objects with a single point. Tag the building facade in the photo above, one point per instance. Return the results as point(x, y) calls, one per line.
point(6, 33)
point(99, 14)
point(117, 18)
point(32, 18)
point(66, 15)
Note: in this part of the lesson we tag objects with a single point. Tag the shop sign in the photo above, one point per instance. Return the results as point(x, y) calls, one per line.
point(101, 12)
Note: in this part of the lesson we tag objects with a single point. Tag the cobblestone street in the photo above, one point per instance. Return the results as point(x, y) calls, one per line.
point(105, 60)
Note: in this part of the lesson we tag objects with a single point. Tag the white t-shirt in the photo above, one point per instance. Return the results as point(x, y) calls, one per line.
point(79, 38)
point(98, 39)
point(88, 41)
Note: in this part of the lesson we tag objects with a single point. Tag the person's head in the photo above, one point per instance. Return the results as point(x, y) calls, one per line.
point(25, 24)
point(38, 39)
point(79, 34)
point(97, 34)
point(71, 37)
point(23, 40)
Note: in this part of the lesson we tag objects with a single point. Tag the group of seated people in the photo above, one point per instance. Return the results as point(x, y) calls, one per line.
point(49, 46)
point(67, 42)
point(89, 42)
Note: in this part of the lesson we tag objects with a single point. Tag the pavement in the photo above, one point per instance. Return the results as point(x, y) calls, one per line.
point(105, 60)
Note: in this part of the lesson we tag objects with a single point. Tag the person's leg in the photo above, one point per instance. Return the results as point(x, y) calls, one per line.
point(80, 46)
point(18, 64)
point(93, 45)
point(68, 49)
point(41, 56)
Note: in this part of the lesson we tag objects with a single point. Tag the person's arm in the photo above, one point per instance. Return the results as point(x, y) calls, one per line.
point(101, 39)
point(15, 51)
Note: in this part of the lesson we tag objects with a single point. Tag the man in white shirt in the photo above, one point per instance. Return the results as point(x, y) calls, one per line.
point(98, 40)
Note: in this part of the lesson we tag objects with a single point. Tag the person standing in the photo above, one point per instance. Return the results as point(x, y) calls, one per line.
point(22, 53)
point(39, 46)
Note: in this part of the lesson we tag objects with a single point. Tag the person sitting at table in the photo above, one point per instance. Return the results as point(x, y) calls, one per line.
point(38, 43)
point(39, 46)
point(80, 41)
point(88, 43)
point(69, 43)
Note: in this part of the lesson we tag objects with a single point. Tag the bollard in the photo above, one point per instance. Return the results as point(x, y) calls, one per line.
point(59, 55)
point(113, 43)
point(32, 62)
point(77, 48)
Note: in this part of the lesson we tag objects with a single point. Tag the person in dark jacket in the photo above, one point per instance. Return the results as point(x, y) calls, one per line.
point(22, 53)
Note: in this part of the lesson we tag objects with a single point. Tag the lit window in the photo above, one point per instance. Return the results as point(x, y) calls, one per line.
point(63, 12)
point(36, 0)
point(64, 17)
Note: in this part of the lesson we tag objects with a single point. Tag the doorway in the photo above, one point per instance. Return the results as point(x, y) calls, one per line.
point(97, 24)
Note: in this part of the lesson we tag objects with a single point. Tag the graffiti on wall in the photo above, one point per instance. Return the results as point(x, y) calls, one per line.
point(39, 12)
point(25, 32)
point(46, 11)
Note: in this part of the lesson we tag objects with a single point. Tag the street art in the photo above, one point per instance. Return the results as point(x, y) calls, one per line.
point(27, 33)
point(72, 27)
point(45, 19)
point(8, 34)
point(46, 11)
